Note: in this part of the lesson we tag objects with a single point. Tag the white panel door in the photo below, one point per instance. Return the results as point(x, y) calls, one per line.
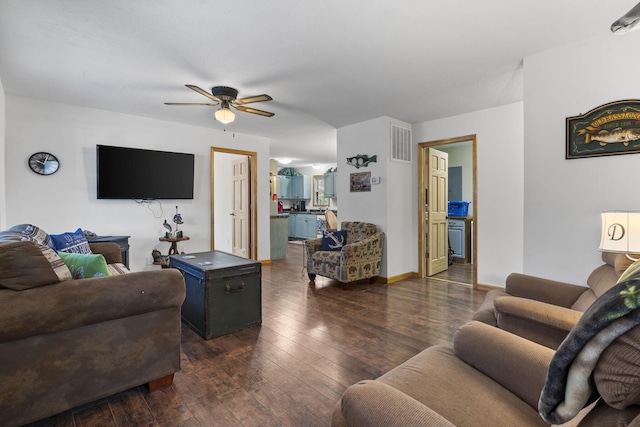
point(437, 212)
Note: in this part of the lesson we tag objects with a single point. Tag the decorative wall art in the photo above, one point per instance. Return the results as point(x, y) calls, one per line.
point(361, 160)
point(607, 130)
point(360, 181)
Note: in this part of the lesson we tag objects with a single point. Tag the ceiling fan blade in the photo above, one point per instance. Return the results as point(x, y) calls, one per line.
point(253, 111)
point(189, 103)
point(203, 92)
point(250, 99)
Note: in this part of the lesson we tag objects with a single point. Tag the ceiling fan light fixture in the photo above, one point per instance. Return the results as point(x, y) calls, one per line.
point(224, 115)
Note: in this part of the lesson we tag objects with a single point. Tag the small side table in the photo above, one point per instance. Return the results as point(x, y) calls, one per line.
point(173, 250)
point(122, 241)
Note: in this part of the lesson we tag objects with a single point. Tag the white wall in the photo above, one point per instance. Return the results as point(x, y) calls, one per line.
point(500, 185)
point(3, 170)
point(389, 204)
point(564, 198)
point(67, 199)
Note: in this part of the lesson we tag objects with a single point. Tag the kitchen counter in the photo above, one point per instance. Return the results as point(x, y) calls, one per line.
point(279, 236)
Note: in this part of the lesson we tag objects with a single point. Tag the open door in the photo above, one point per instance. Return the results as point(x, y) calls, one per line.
point(240, 214)
point(243, 206)
point(437, 212)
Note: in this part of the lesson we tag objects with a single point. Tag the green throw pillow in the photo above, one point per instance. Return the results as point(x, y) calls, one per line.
point(83, 266)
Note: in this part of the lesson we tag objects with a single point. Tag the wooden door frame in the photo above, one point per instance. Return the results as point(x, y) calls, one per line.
point(253, 202)
point(422, 185)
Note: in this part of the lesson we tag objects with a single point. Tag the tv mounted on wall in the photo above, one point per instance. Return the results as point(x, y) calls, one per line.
point(134, 173)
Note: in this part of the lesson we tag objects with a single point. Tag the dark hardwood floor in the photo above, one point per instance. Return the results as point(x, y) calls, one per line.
point(314, 342)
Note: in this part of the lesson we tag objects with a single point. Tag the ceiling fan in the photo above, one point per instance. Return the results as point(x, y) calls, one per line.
point(225, 97)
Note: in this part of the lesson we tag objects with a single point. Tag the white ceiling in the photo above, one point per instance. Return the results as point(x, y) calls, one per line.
point(326, 64)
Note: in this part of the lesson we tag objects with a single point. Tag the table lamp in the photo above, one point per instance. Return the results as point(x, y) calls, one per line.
point(620, 232)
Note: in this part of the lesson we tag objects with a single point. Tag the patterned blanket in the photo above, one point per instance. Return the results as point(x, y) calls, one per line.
point(569, 386)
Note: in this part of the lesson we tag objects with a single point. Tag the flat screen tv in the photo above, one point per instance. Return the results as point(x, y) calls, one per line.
point(133, 173)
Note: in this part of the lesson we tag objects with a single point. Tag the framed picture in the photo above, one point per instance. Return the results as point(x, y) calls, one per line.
point(360, 181)
point(607, 130)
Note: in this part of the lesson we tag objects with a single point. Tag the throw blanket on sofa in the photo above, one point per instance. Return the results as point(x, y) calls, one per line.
point(569, 384)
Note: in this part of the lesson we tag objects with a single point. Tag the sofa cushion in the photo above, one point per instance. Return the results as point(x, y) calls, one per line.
point(333, 240)
point(602, 279)
point(83, 266)
point(599, 414)
point(376, 404)
point(622, 263)
point(24, 266)
point(425, 377)
point(31, 233)
point(117, 269)
point(34, 234)
point(357, 231)
point(486, 312)
point(584, 301)
point(72, 242)
point(59, 267)
point(617, 374)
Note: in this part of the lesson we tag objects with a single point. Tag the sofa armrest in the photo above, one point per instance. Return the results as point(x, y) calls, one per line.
point(373, 403)
point(110, 250)
point(546, 324)
point(75, 303)
point(545, 290)
point(364, 249)
point(519, 365)
point(311, 246)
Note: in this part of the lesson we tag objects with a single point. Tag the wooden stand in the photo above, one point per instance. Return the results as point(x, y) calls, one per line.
point(173, 250)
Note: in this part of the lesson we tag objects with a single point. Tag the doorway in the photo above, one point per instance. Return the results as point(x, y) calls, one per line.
point(233, 202)
point(423, 225)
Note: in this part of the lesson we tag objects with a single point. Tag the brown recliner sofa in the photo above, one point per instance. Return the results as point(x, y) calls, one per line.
point(543, 310)
point(492, 378)
point(67, 343)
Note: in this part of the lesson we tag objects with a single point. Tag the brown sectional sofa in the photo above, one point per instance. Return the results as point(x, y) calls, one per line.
point(67, 343)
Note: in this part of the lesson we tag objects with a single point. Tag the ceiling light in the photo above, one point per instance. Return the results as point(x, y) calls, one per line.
point(224, 114)
point(284, 161)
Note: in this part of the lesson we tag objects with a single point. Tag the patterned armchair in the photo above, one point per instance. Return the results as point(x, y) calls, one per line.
point(359, 258)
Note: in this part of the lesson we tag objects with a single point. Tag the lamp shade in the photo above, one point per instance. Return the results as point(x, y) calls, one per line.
point(620, 232)
point(224, 115)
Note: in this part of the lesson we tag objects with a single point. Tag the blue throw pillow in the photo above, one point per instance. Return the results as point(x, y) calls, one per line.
point(75, 243)
point(333, 240)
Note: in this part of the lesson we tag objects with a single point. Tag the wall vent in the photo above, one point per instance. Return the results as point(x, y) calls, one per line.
point(400, 144)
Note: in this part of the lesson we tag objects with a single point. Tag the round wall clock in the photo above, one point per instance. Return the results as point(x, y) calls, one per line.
point(44, 163)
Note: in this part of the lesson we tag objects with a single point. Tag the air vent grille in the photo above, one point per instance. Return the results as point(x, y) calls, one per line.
point(400, 144)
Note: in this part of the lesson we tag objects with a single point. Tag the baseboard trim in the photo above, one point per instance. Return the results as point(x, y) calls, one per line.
point(398, 277)
point(483, 287)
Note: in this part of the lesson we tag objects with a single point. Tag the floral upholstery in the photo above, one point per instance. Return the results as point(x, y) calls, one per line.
point(359, 259)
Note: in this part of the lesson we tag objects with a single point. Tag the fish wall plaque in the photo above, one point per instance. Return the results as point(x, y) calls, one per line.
point(361, 160)
point(608, 130)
